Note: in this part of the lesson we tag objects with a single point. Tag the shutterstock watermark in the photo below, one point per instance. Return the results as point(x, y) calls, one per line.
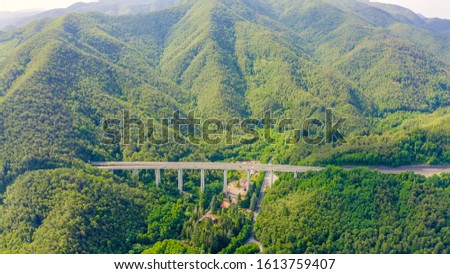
point(183, 129)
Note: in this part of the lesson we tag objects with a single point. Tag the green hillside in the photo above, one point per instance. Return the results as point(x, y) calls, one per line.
point(68, 211)
point(359, 211)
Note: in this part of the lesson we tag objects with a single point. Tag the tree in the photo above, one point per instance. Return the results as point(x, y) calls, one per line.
point(253, 202)
point(214, 204)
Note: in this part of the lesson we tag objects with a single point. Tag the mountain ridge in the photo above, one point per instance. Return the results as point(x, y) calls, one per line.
point(227, 60)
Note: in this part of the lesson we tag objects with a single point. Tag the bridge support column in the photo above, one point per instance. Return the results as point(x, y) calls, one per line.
point(158, 176)
point(225, 181)
point(180, 180)
point(295, 175)
point(271, 178)
point(248, 178)
point(202, 180)
point(136, 173)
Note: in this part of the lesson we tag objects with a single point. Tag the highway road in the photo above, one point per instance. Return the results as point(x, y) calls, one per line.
point(201, 165)
point(423, 170)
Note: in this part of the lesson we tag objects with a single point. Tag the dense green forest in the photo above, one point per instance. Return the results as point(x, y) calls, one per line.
point(358, 211)
point(382, 67)
point(60, 78)
point(84, 210)
point(71, 211)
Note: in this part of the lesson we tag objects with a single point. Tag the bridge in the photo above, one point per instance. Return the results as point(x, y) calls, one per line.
point(249, 167)
point(202, 166)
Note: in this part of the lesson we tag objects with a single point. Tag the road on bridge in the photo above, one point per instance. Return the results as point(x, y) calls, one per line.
point(202, 165)
point(423, 170)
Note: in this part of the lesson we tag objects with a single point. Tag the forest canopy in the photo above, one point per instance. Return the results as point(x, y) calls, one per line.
point(357, 211)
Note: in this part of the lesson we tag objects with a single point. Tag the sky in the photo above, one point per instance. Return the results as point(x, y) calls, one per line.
point(16, 5)
point(428, 8)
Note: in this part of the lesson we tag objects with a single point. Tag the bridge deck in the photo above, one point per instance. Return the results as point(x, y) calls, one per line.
point(423, 170)
point(201, 165)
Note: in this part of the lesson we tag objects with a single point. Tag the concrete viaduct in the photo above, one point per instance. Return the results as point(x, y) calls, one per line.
point(249, 167)
point(180, 166)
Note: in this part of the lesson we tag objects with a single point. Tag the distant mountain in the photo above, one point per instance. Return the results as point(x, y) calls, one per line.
point(110, 7)
point(439, 25)
point(400, 13)
point(11, 19)
point(436, 25)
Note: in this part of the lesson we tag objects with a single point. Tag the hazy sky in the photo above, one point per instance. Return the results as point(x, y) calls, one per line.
point(428, 8)
point(15, 5)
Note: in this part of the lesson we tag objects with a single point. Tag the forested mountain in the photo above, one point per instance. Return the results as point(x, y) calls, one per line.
point(383, 67)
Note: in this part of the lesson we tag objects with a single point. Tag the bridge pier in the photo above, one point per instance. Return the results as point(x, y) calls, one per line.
point(225, 181)
point(202, 180)
point(271, 178)
point(136, 173)
point(158, 176)
point(180, 180)
point(295, 175)
point(248, 178)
